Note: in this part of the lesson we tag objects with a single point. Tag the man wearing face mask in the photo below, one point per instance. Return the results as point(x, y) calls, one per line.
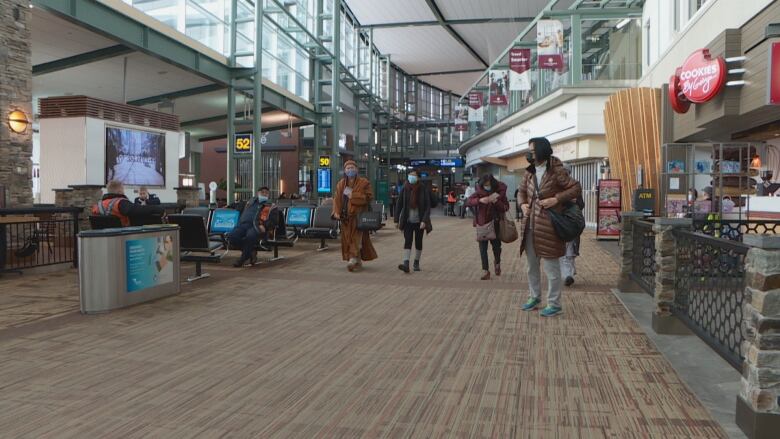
point(257, 220)
point(353, 195)
point(545, 186)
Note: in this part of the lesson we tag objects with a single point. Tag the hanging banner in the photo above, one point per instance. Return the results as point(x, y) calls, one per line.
point(549, 44)
point(519, 69)
point(476, 110)
point(774, 74)
point(499, 84)
point(461, 117)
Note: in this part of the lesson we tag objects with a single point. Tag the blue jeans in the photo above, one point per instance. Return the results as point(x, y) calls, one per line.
point(245, 237)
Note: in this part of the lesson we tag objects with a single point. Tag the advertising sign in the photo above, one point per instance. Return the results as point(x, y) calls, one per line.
point(224, 220)
point(609, 222)
point(774, 74)
point(499, 87)
point(148, 262)
point(609, 193)
point(699, 80)
point(549, 44)
point(452, 163)
point(519, 69)
point(461, 117)
point(476, 110)
point(323, 181)
point(299, 216)
point(243, 144)
point(608, 212)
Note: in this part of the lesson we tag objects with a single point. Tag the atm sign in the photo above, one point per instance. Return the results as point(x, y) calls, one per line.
point(645, 196)
point(324, 161)
point(243, 144)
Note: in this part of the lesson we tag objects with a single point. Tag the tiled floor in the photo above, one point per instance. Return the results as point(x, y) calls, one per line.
point(303, 349)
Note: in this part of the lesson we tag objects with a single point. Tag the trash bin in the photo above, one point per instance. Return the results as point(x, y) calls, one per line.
point(126, 266)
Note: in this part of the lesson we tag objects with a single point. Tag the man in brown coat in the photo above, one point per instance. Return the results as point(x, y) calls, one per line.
point(353, 195)
point(546, 186)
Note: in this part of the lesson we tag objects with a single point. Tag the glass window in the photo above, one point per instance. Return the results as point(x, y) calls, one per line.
point(204, 27)
point(166, 11)
point(610, 49)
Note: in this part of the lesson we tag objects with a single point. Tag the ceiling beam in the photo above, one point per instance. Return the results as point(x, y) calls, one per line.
point(177, 94)
point(440, 18)
point(81, 59)
point(450, 22)
point(449, 72)
point(221, 117)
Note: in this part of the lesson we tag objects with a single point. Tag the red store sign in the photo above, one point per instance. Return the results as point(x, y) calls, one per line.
point(774, 74)
point(699, 80)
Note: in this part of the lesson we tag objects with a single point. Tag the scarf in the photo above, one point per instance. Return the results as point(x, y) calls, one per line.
point(415, 188)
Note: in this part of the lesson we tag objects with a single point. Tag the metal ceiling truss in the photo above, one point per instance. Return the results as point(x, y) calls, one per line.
point(81, 59)
point(440, 18)
point(451, 22)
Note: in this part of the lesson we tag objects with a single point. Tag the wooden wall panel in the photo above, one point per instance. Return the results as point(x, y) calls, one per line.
point(632, 119)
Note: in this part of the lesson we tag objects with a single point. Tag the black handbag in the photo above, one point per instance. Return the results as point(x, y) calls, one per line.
point(369, 221)
point(569, 223)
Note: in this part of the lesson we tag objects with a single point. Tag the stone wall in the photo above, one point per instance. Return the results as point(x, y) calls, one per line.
point(15, 94)
point(83, 196)
point(665, 275)
point(188, 196)
point(625, 284)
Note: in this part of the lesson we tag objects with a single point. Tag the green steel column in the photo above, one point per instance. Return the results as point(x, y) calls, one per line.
point(318, 32)
point(576, 49)
point(336, 93)
point(257, 113)
point(230, 177)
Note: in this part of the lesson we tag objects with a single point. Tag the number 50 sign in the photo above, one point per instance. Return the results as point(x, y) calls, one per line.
point(243, 144)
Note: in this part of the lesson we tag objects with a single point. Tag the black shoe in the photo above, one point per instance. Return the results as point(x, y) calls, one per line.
point(416, 265)
point(569, 281)
point(404, 267)
point(239, 263)
point(253, 258)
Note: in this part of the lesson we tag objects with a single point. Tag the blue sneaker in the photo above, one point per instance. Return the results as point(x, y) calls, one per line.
point(531, 305)
point(550, 311)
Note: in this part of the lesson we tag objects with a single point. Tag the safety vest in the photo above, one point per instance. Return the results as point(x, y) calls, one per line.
point(110, 207)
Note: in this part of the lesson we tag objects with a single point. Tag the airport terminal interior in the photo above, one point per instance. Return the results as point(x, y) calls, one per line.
point(390, 219)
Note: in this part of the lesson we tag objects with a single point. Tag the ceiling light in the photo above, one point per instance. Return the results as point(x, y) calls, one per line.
point(623, 23)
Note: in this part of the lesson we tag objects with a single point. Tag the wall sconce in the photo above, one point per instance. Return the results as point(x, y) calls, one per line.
point(18, 121)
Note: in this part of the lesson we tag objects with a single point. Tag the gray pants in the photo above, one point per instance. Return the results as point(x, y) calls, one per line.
point(568, 264)
point(552, 269)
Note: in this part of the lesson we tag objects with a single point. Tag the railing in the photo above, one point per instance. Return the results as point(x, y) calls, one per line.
point(644, 263)
point(733, 230)
point(709, 291)
point(38, 236)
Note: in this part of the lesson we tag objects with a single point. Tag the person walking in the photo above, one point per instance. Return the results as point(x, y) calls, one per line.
point(568, 261)
point(353, 196)
point(489, 203)
point(468, 193)
point(413, 216)
point(546, 185)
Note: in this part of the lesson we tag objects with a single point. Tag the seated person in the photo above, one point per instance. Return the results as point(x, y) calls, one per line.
point(254, 225)
point(115, 203)
point(144, 198)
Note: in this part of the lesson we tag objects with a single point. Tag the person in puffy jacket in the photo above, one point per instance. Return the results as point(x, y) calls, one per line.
point(546, 186)
point(413, 216)
point(257, 221)
point(489, 203)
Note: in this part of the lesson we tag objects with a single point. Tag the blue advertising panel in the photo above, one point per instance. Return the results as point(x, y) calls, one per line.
point(323, 181)
point(224, 220)
point(299, 216)
point(148, 262)
point(451, 163)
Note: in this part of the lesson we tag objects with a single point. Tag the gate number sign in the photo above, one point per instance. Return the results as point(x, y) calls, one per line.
point(243, 143)
point(324, 161)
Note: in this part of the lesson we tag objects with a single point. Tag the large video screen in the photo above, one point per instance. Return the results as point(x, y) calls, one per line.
point(135, 157)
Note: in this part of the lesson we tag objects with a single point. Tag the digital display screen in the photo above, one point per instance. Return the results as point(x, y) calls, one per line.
point(323, 180)
point(418, 162)
point(452, 163)
point(135, 157)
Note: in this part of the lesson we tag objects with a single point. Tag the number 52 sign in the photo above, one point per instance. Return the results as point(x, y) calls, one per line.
point(243, 144)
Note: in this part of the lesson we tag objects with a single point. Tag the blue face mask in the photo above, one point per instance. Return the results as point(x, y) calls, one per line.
point(487, 187)
point(262, 198)
point(412, 179)
point(351, 173)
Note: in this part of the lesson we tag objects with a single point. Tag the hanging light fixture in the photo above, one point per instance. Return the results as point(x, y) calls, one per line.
point(18, 121)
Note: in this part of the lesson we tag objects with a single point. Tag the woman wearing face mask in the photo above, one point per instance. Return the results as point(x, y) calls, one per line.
point(353, 196)
point(489, 203)
point(546, 185)
point(413, 216)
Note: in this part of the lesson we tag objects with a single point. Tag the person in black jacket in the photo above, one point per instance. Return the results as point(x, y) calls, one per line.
point(257, 220)
point(115, 203)
point(568, 262)
point(413, 216)
point(144, 198)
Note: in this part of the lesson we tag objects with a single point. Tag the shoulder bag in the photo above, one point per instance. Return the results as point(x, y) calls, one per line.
point(486, 232)
point(569, 223)
point(507, 231)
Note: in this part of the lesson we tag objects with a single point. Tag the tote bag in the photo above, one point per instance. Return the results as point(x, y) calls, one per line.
point(369, 221)
point(507, 231)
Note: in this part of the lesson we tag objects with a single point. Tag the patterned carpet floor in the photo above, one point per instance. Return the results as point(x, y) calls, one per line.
point(303, 349)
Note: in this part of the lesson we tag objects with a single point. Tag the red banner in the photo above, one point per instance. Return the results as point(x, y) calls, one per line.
point(609, 193)
point(774, 74)
point(475, 99)
point(519, 60)
point(551, 62)
point(609, 222)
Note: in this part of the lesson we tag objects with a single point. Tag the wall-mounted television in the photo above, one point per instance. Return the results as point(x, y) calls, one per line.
point(135, 157)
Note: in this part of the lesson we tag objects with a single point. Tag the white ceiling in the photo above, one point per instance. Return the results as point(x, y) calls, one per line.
point(422, 49)
point(55, 39)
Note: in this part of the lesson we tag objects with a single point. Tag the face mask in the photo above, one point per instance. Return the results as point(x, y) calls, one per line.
point(262, 198)
point(530, 158)
point(412, 179)
point(351, 173)
point(690, 197)
point(487, 187)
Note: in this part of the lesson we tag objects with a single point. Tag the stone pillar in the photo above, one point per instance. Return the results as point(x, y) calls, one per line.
point(83, 196)
point(625, 284)
point(758, 403)
point(666, 262)
point(187, 196)
point(16, 94)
